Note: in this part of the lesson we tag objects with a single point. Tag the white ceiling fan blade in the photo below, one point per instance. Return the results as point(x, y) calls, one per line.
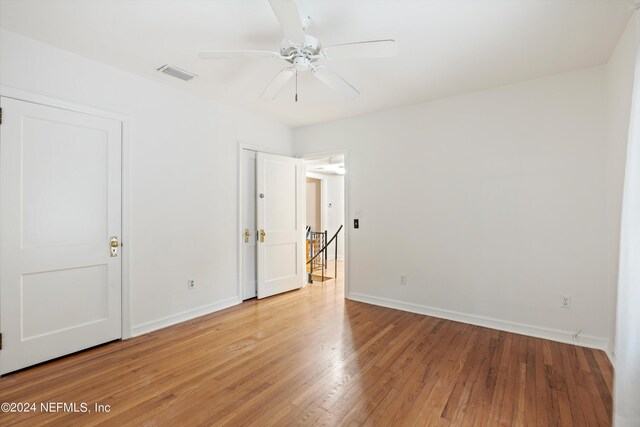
point(334, 81)
point(289, 17)
point(242, 54)
point(276, 85)
point(367, 49)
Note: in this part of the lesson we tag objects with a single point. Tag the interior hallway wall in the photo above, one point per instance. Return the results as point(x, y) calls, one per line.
point(335, 212)
point(314, 204)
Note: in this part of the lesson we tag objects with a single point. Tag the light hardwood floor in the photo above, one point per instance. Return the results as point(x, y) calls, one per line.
point(309, 357)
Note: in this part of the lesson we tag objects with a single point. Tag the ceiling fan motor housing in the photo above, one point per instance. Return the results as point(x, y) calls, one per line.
point(301, 56)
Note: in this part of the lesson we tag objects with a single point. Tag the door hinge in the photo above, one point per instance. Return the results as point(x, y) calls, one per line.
point(0, 341)
point(0, 115)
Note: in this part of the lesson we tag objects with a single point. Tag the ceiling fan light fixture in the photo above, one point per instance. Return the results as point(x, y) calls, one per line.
point(301, 63)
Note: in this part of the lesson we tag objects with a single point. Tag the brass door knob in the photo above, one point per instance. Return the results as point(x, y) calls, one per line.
point(114, 245)
point(262, 234)
point(247, 234)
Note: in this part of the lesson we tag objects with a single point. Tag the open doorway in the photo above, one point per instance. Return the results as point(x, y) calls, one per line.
point(272, 218)
point(291, 222)
point(325, 219)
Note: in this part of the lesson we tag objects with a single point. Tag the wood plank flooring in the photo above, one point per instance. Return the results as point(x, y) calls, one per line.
point(309, 357)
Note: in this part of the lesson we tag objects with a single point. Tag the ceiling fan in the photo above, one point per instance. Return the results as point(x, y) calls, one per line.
point(303, 52)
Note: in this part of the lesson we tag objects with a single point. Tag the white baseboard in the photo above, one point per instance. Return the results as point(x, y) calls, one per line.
point(163, 322)
point(612, 357)
point(487, 322)
point(620, 421)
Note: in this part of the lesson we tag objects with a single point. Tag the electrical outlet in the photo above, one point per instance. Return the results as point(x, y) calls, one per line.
point(403, 279)
point(565, 302)
point(191, 284)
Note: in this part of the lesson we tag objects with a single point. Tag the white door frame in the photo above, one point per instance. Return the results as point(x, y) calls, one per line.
point(240, 226)
point(34, 98)
point(347, 218)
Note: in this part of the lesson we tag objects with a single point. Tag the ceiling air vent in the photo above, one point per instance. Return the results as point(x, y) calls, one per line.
point(177, 72)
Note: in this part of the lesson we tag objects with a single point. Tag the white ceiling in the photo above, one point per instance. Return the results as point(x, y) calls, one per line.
point(329, 165)
point(446, 47)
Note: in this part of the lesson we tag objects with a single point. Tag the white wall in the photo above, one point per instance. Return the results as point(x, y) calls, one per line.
point(335, 213)
point(332, 209)
point(492, 203)
point(314, 204)
point(619, 80)
point(183, 174)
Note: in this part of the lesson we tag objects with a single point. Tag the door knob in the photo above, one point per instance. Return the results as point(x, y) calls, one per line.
point(247, 234)
point(114, 244)
point(262, 234)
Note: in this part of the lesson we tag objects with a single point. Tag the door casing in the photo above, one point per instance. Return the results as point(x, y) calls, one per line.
point(249, 246)
point(125, 190)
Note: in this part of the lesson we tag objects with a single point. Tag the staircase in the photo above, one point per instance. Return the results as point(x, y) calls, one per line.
point(316, 249)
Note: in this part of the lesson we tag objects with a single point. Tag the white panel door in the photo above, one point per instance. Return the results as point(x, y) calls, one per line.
point(280, 185)
point(249, 279)
point(60, 201)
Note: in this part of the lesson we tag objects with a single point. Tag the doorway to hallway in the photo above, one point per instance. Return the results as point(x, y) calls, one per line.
point(292, 217)
point(325, 215)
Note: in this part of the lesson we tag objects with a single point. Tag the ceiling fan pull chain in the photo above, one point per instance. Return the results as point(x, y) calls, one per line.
point(296, 85)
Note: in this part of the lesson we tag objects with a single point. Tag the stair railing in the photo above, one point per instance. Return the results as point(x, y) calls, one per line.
point(324, 250)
